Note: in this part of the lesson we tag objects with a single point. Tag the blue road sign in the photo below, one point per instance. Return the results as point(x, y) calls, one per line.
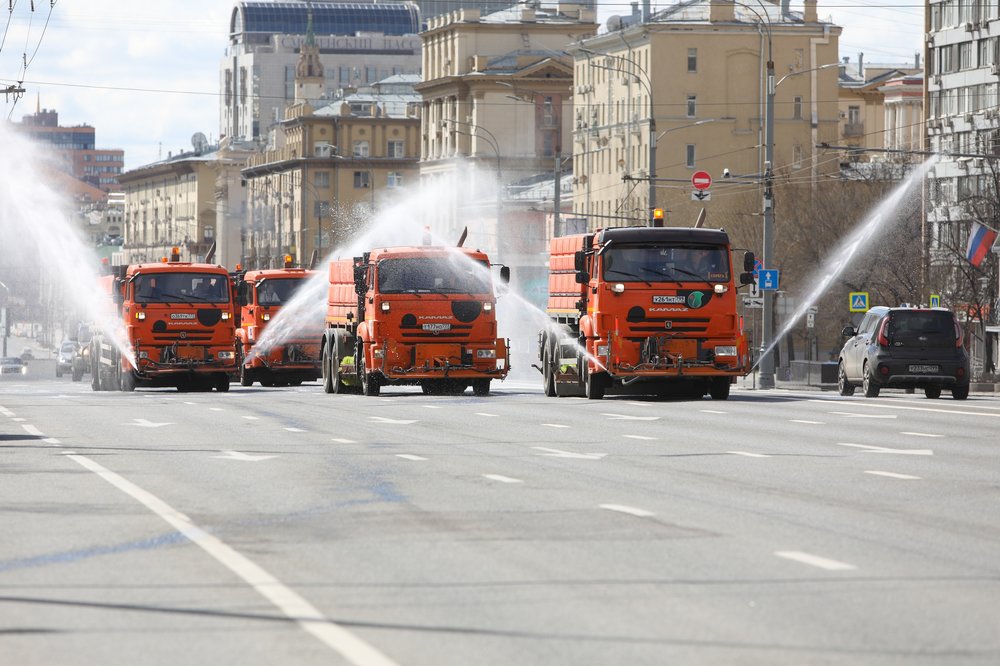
point(768, 279)
point(935, 300)
point(858, 301)
point(757, 268)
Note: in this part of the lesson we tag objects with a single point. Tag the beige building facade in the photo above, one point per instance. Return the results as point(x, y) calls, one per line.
point(497, 111)
point(686, 92)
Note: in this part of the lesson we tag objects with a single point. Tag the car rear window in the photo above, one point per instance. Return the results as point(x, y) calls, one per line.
point(922, 327)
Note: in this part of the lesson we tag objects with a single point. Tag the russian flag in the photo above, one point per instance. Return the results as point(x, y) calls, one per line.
point(981, 239)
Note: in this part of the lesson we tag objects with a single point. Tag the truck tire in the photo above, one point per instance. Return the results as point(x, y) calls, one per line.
point(595, 384)
point(222, 382)
point(548, 372)
point(246, 374)
point(370, 384)
point(481, 387)
point(128, 381)
point(719, 388)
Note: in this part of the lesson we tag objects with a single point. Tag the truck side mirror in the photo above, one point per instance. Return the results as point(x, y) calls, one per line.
point(360, 277)
point(848, 332)
point(748, 262)
point(746, 278)
point(505, 274)
point(582, 277)
point(118, 295)
point(580, 261)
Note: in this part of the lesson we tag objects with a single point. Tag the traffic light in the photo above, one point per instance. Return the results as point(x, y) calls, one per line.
point(656, 217)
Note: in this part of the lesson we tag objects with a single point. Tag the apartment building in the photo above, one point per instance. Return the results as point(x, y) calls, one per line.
point(497, 110)
point(358, 44)
point(685, 91)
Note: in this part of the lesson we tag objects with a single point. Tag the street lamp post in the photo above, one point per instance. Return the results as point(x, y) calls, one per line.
point(495, 145)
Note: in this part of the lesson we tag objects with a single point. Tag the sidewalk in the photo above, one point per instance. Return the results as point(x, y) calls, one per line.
point(752, 381)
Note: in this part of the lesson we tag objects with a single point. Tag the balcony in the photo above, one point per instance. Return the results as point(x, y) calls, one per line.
point(854, 129)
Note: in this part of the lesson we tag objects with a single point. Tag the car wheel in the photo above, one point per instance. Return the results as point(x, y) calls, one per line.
point(844, 387)
point(933, 392)
point(960, 392)
point(871, 388)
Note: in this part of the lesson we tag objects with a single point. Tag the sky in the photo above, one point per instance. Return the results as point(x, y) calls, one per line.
point(145, 74)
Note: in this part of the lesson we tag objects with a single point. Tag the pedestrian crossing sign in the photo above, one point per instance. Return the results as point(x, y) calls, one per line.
point(858, 301)
point(935, 300)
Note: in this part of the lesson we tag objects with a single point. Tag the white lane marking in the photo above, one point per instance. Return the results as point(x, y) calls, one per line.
point(484, 414)
point(32, 430)
point(885, 405)
point(748, 454)
point(630, 510)
point(557, 453)
point(144, 423)
point(251, 418)
point(341, 440)
point(806, 422)
point(712, 411)
point(6, 412)
point(245, 457)
point(17, 419)
point(432, 406)
point(643, 437)
point(382, 419)
point(920, 434)
point(294, 606)
point(638, 404)
point(626, 417)
point(216, 409)
point(554, 425)
point(502, 479)
point(865, 416)
point(409, 456)
point(294, 429)
point(186, 402)
point(892, 475)
point(814, 560)
point(882, 449)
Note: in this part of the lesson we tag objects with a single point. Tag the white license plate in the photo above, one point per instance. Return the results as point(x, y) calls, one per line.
point(923, 368)
point(437, 327)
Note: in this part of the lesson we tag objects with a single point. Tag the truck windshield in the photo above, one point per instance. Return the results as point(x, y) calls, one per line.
point(181, 288)
point(442, 275)
point(688, 263)
point(277, 291)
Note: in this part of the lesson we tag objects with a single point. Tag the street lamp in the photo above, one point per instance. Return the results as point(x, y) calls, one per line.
point(647, 83)
point(495, 145)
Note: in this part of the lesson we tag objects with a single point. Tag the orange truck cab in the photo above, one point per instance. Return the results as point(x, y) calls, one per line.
point(291, 359)
point(178, 322)
point(413, 315)
point(644, 309)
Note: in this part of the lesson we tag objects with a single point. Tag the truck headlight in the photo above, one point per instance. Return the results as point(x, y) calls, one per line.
point(725, 350)
point(487, 307)
point(486, 353)
point(225, 316)
point(265, 317)
point(140, 316)
point(385, 306)
point(226, 355)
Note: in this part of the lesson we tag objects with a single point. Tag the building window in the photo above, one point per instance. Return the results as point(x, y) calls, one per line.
point(965, 56)
point(797, 107)
point(371, 74)
point(692, 105)
point(321, 179)
point(361, 180)
point(396, 149)
point(361, 149)
point(797, 156)
point(690, 156)
point(395, 179)
point(321, 209)
point(209, 232)
point(692, 60)
point(854, 114)
point(548, 114)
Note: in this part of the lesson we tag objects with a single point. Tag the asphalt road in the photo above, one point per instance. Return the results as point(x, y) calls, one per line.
point(286, 526)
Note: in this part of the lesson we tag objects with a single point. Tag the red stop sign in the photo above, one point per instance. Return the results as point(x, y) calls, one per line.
point(701, 180)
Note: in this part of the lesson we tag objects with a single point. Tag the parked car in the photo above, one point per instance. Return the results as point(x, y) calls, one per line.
point(908, 348)
point(27, 354)
point(64, 359)
point(12, 365)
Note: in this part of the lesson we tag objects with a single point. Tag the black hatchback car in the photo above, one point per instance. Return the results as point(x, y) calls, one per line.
point(908, 348)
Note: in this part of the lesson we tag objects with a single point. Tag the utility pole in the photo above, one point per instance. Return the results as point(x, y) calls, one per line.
point(557, 193)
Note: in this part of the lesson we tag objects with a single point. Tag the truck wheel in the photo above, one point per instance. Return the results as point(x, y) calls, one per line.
point(595, 384)
point(328, 382)
point(719, 388)
point(222, 383)
point(844, 387)
point(548, 373)
point(246, 374)
point(870, 387)
point(128, 381)
point(370, 384)
point(481, 387)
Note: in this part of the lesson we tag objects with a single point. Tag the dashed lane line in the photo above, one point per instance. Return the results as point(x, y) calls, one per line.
point(712, 411)
point(887, 405)
point(484, 414)
point(289, 602)
point(919, 434)
point(409, 456)
point(748, 454)
point(501, 478)
point(807, 422)
point(814, 560)
point(251, 418)
point(554, 425)
point(642, 437)
point(294, 429)
point(854, 415)
point(893, 475)
point(883, 449)
point(630, 510)
point(341, 440)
